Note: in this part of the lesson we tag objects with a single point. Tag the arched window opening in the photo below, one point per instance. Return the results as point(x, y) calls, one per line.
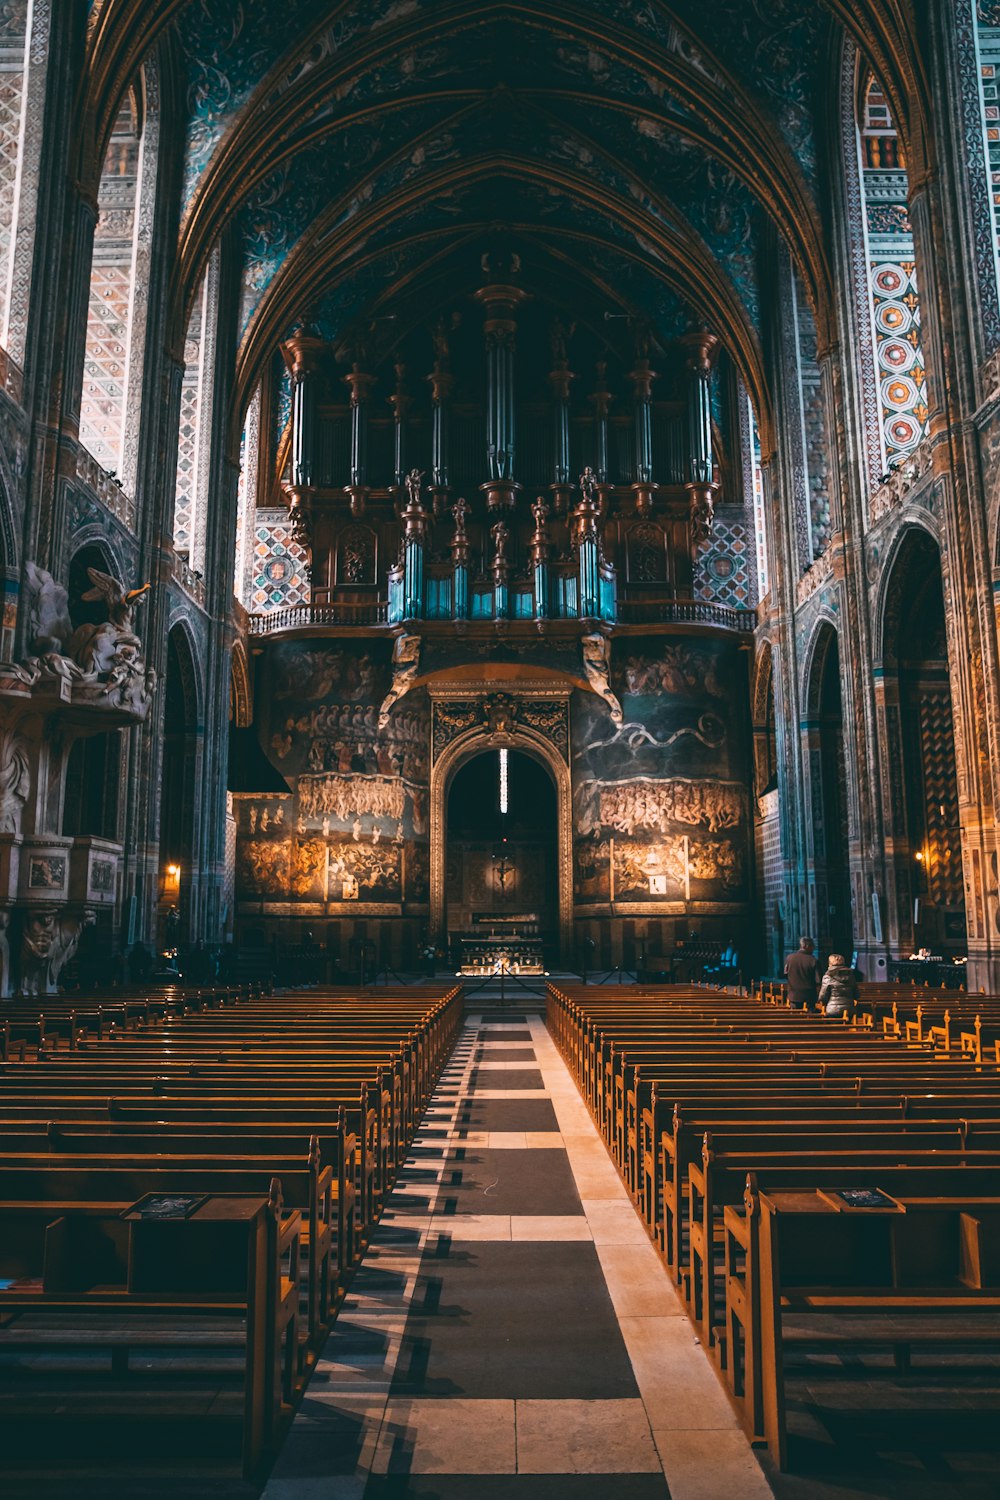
point(246, 501)
point(93, 771)
point(112, 287)
point(827, 766)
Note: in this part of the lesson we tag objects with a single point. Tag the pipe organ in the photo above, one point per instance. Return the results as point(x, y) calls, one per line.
point(531, 470)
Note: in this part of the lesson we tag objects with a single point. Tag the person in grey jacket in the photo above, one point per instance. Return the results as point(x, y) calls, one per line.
point(838, 993)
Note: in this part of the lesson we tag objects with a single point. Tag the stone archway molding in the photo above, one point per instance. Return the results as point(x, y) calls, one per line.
point(466, 747)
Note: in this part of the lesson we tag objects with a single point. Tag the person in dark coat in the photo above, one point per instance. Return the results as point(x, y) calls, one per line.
point(802, 973)
point(839, 990)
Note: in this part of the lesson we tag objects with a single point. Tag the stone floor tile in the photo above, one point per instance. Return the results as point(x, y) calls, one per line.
point(546, 1227)
point(614, 1222)
point(584, 1437)
point(453, 1436)
point(710, 1466)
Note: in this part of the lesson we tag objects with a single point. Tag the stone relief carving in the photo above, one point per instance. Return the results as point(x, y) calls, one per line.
point(597, 665)
point(15, 781)
point(405, 666)
point(503, 714)
point(103, 663)
point(49, 939)
point(49, 626)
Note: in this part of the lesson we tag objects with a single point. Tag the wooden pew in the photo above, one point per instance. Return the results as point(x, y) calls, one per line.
point(210, 1282)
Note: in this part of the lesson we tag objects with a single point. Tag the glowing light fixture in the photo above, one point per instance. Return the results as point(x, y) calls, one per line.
point(503, 781)
point(173, 871)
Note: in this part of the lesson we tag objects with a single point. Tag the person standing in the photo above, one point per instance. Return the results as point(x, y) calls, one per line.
point(839, 990)
point(802, 973)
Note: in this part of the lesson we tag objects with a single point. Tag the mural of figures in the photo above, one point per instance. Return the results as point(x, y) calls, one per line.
point(653, 794)
point(358, 794)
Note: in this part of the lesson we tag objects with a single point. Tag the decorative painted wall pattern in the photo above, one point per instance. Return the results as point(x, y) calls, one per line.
point(279, 566)
point(102, 402)
point(817, 447)
point(722, 565)
point(977, 49)
point(13, 27)
point(659, 802)
point(895, 304)
point(988, 48)
point(185, 491)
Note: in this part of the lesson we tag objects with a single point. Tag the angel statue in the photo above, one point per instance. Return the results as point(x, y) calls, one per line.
point(96, 648)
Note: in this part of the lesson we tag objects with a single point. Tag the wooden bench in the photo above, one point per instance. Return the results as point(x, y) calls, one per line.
point(189, 1288)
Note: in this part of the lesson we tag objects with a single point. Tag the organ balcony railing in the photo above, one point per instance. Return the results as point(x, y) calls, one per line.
point(683, 612)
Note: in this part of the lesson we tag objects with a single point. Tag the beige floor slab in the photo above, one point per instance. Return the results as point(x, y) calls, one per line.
point(614, 1222)
point(710, 1465)
point(473, 1226)
point(677, 1384)
point(638, 1284)
point(549, 1227)
point(584, 1437)
point(598, 1180)
point(453, 1436)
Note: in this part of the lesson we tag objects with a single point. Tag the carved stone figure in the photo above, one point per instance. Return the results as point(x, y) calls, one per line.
point(49, 939)
point(501, 712)
point(15, 782)
point(49, 624)
point(597, 666)
point(405, 666)
point(96, 648)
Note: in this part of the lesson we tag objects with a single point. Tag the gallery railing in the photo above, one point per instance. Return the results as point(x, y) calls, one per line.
point(685, 612)
point(299, 616)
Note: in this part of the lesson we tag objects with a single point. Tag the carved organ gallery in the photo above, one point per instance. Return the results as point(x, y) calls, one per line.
point(614, 392)
point(506, 506)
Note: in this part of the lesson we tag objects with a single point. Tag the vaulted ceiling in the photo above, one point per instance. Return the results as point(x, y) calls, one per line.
point(647, 154)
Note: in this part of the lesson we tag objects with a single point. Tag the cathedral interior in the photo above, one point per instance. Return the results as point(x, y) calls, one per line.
point(498, 485)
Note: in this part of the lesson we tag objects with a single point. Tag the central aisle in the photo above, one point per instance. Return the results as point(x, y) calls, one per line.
point(511, 1333)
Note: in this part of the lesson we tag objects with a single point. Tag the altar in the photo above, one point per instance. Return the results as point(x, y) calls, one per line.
point(508, 943)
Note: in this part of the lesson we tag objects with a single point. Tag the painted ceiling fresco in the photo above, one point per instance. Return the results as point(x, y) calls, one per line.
point(637, 127)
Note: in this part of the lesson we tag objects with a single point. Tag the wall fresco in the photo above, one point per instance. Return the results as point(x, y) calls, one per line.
point(660, 802)
point(354, 824)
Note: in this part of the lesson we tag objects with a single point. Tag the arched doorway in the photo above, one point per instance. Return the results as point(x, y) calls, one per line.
point(501, 857)
point(827, 769)
point(465, 748)
point(179, 783)
point(94, 768)
point(924, 833)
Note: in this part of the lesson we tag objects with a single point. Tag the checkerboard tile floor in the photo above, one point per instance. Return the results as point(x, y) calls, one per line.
point(511, 1334)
